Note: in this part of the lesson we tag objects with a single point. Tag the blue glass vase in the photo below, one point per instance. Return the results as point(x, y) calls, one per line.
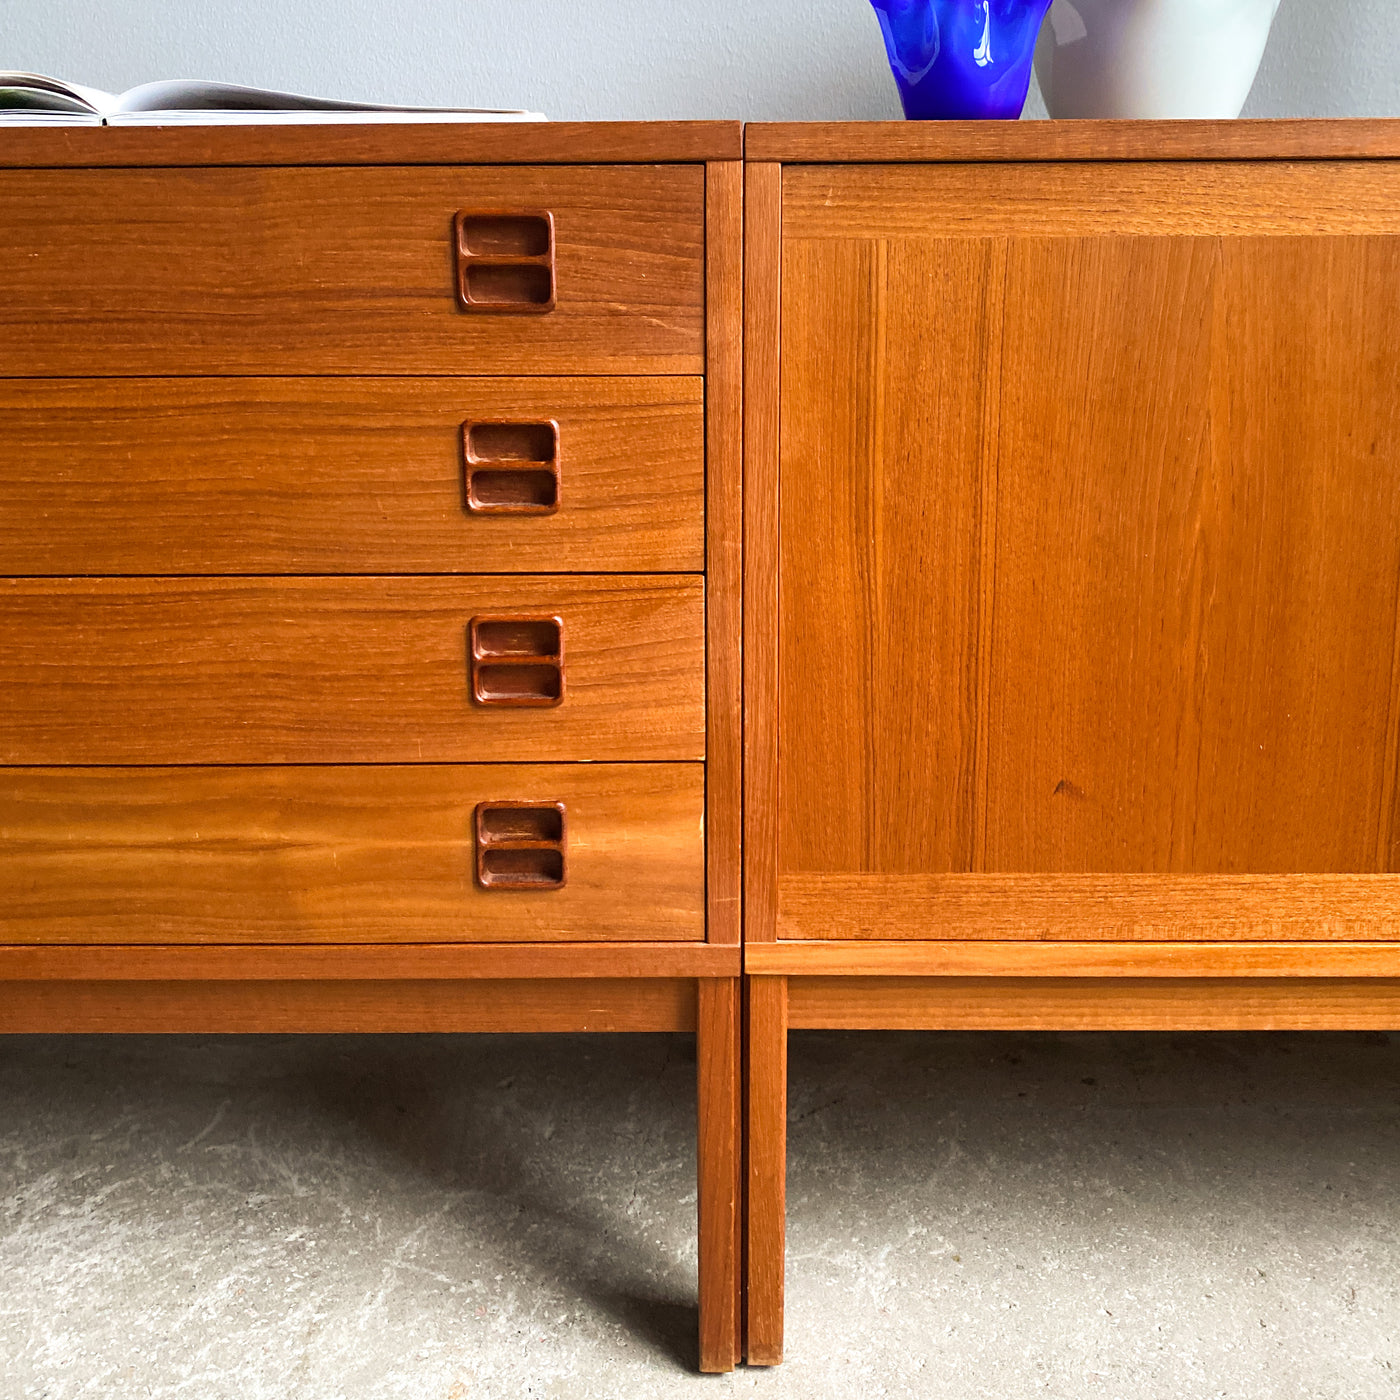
point(961, 58)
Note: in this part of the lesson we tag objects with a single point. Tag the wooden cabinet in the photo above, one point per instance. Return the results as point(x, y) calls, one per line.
point(369, 591)
point(1073, 692)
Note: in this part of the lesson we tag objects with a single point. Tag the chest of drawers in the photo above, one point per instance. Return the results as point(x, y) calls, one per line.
point(1072, 570)
point(369, 591)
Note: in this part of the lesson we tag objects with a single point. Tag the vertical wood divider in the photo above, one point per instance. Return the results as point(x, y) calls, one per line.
point(762, 326)
point(724, 505)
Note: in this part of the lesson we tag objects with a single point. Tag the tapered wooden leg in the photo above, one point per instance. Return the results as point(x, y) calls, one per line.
point(767, 1167)
point(719, 1090)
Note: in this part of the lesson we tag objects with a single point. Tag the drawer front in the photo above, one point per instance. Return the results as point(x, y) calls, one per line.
point(351, 670)
point(345, 271)
point(351, 475)
point(342, 855)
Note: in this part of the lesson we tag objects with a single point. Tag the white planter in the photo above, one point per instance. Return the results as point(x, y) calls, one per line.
point(1151, 58)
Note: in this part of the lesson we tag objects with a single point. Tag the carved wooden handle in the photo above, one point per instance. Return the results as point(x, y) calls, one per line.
point(521, 846)
point(511, 468)
point(517, 660)
point(505, 261)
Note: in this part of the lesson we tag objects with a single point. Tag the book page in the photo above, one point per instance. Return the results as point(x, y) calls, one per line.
point(32, 99)
point(188, 100)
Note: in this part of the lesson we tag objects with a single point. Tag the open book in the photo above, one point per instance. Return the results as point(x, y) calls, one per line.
point(29, 99)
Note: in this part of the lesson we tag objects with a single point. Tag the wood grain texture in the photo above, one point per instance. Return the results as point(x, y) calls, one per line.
point(762, 345)
point(266, 1008)
point(766, 1173)
point(1004, 958)
point(340, 855)
point(428, 143)
point(1114, 906)
point(339, 670)
point(1124, 597)
point(1197, 562)
point(347, 475)
point(881, 495)
point(342, 271)
point(1094, 1004)
point(724, 548)
point(977, 142)
point(1204, 199)
point(719, 1136)
point(360, 962)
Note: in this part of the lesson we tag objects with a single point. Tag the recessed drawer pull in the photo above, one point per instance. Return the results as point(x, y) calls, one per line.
point(521, 846)
point(511, 468)
point(517, 660)
point(505, 261)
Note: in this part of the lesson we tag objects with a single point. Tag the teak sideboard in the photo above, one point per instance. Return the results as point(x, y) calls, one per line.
point(370, 554)
point(369, 591)
point(1072, 562)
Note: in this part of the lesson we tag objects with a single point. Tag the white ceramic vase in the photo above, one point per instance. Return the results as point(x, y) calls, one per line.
point(1151, 58)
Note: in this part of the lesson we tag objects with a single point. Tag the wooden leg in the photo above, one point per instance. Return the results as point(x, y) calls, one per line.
point(767, 1167)
point(719, 1089)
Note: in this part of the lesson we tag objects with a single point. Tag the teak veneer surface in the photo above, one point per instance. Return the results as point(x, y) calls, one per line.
point(341, 271)
point(403, 143)
point(980, 142)
point(1093, 1004)
point(1086, 520)
point(1005, 957)
point(724, 552)
point(349, 475)
point(884, 905)
point(347, 1007)
point(360, 962)
point(340, 855)
point(1157, 200)
point(340, 670)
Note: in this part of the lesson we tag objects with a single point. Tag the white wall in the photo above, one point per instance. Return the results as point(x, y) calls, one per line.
point(755, 59)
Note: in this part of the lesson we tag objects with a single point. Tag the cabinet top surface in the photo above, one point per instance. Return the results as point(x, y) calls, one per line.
point(972, 141)
point(429, 143)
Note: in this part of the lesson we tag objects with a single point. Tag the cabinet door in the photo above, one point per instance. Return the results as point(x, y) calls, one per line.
point(1090, 528)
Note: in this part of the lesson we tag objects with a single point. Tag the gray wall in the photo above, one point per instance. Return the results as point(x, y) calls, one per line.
point(755, 59)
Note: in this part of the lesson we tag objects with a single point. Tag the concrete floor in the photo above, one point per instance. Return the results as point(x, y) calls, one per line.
point(443, 1218)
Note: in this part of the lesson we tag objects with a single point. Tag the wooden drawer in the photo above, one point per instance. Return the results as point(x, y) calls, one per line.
point(351, 475)
point(341, 855)
point(347, 670)
point(346, 270)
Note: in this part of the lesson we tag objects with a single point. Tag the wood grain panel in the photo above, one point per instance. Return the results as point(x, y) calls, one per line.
point(1218, 199)
point(360, 962)
point(1197, 560)
point(341, 271)
point(340, 476)
point(762, 346)
point(339, 670)
point(883, 446)
point(724, 548)
point(1101, 906)
point(406, 143)
point(340, 855)
point(978, 142)
point(1089, 556)
point(1005, 958)
point(343, 1007)
point(1103, 1004)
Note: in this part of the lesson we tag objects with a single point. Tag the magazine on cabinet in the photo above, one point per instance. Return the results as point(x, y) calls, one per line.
point(31, 99)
